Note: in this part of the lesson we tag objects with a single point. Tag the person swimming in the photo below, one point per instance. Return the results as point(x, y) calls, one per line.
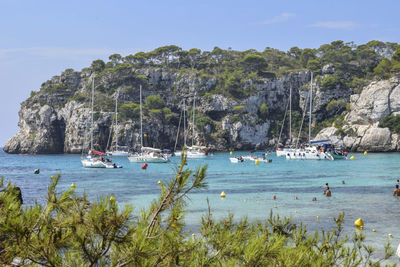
point(328, 192)
point(396, 191)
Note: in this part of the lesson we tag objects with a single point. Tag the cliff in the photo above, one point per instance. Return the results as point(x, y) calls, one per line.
point(241, 100)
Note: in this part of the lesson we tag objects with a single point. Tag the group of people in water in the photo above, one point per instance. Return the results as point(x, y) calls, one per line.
point(328, 193)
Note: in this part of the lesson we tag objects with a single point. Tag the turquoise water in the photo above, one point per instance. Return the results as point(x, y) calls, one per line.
point(367, 192)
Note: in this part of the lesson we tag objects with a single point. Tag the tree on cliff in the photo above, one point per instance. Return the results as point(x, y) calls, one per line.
point(252, 63)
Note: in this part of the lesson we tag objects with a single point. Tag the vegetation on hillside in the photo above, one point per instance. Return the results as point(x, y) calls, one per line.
point(68, 230)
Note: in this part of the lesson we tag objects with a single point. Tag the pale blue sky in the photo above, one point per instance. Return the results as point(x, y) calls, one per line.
point(39, 39)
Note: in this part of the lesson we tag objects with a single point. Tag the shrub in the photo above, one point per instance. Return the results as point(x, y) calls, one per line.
point(154, 102)
point(263, 111)
point(330, 82)
point(238, 109)
point(392, 122)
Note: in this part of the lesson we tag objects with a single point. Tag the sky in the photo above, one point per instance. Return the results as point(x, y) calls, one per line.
point(40, 39)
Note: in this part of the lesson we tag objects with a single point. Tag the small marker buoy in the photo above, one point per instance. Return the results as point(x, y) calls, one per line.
point(390, 235)
point(230, 153)
point(144, 166)
point(159, 182)
point(317, 218)
point(352, 157)
point(273, 197)
point(36, 171)
point(365, 153)
point(51, 177)
point(112, 198)
point(72, 185)
point(193, 234)
point(373, 230)
point(244, 200)
point(275, 207)
point(359, 223)
point(256, 162)
point(223, 195)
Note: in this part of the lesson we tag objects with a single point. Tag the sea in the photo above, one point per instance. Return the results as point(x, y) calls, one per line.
point(367, 191)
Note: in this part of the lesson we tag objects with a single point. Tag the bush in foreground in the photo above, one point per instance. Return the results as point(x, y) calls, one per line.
point(70, 231)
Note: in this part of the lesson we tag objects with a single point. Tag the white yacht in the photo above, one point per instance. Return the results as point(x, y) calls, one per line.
point(117, 150)
point(194, 151)
point(146, 154)
point(94, 158)
point(316, 150)
point(281, 152)
point(149, 155)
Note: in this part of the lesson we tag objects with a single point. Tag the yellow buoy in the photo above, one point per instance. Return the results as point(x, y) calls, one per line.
point(256, 162)
point(373, 230)
point(51, 177)
point(365, 153)
point(317, 218)
point(112, 198)
point(159, 182)
point(223, 195)
point(244, 200)
point(193, 234)
point(359, 222)
point(390, 235)
point(275, 207)
point(72, 185)
point(230, 152)
point(352, 157)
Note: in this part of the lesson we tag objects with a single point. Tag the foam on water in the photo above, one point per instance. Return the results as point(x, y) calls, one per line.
point(367, 192)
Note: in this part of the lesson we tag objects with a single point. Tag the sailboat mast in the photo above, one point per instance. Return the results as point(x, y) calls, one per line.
point(310, 117)
point(116, 122)
point(184, 123)
point(91, 123)
point(290, 115)
point(194, 106)
point(141, 126)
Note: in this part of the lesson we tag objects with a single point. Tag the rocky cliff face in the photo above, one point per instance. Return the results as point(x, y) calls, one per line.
point(360, 129)
point(56, 119)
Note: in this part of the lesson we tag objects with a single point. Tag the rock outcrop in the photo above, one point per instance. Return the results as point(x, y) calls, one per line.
point(360, 129)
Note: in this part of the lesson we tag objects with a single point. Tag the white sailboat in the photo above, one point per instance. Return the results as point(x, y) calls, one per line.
point(281, 152)
point(316, 150)
point(117, 150)
point(194, 151)
point(147, 154)
point(94, 158)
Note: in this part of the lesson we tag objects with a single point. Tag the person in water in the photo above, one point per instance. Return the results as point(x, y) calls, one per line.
point(396, 191)
point(326, 188)
point(328, 192)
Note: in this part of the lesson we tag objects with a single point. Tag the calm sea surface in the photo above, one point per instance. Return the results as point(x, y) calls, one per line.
point(367, 192)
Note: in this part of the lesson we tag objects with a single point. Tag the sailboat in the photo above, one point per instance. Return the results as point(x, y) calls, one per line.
point(194, 151)
point(281, 152)
point(147, 154)
point(316, 150)
point(94, 158)
point(117, 150)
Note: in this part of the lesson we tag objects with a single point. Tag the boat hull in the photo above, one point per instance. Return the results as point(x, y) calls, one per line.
point(307, 155)
point(141, 159)
point(87, 163)
point(118, 153)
